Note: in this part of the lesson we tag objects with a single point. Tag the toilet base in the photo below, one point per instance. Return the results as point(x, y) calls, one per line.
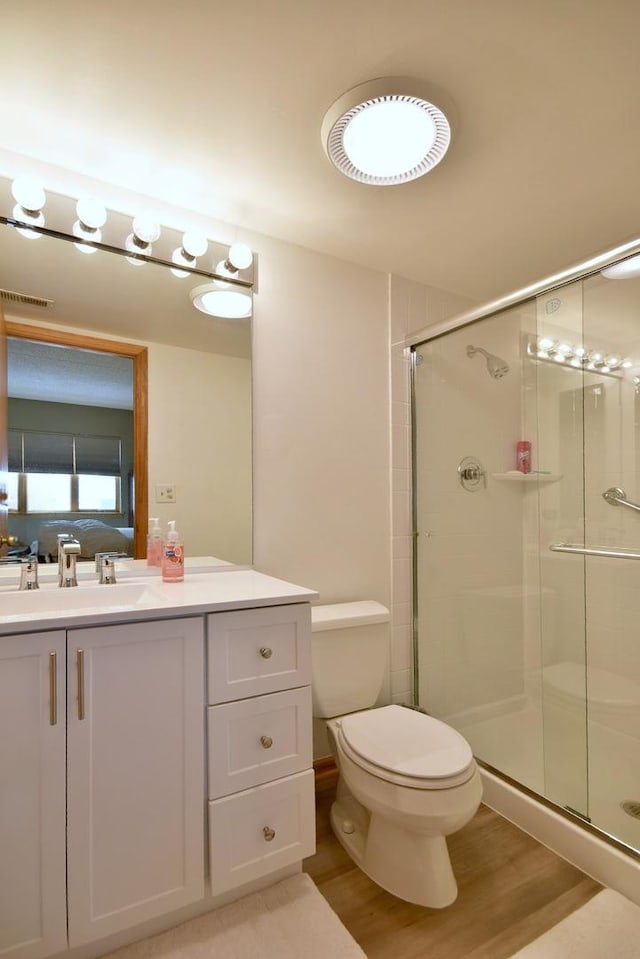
point(413, 867)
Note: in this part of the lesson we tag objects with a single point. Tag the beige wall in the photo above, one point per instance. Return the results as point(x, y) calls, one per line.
point(199, 443)
point(321, 444)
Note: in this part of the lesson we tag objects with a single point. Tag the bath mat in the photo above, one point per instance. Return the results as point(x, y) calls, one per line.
point(289, 920)
point(607, 926)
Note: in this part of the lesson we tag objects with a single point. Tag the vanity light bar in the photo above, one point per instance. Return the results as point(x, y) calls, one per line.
point(578, 357)
point(86, 234)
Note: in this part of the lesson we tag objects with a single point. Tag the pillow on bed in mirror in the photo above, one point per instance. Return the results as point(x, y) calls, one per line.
point(93, 535)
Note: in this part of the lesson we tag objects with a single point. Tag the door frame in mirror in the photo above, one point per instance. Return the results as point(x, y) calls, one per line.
point(139, 356)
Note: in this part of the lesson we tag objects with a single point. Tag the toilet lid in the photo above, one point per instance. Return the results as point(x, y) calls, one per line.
point(407, 742)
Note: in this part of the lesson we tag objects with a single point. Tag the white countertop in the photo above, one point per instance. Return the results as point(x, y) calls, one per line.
point(143, 596)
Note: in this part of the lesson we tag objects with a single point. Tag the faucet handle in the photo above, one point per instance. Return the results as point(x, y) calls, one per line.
point(106, 567)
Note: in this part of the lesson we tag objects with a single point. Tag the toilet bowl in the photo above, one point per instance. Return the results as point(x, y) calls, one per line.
point(406, 780)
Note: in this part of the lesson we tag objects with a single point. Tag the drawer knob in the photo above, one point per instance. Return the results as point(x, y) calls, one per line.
point(267, 742)
point(266, 652)
point(268, 833)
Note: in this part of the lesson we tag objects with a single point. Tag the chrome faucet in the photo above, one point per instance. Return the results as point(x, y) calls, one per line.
point(29, 573)
point(68, 552)
point(106, 567)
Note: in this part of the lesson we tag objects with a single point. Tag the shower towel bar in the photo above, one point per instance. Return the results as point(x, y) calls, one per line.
point(593, 551)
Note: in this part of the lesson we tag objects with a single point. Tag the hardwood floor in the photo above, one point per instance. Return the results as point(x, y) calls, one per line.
point(511, 890)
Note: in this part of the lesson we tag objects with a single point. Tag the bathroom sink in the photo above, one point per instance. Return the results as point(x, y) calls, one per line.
point(50, 598)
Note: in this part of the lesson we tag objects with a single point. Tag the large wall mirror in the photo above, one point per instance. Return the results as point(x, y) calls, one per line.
point(110, 363)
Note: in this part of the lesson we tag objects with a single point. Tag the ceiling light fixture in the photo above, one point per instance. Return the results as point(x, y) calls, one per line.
point(30, 198)
point(218, 300)
point(623, 270)
point(385, 132)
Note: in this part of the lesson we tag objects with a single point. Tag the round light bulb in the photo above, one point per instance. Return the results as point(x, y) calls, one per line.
point(91, 212)
point(627, 364)
point(545, 343)
point(223, 270)
point(133, 247)
point(178, 257)
point(146, 228)
point(240, 256)
point(194, 243)
point(94, 236)
point(28, 193)
point(389, 138)
point(19, 213)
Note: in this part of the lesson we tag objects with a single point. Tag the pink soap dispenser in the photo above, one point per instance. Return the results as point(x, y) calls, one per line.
point(154, 543)
point(172, 556)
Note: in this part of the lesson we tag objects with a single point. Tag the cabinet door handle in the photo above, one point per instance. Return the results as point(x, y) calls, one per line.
point(266, 741)
point(80, 674)
point(266, 652)
point(268, 833)
point(53, 688)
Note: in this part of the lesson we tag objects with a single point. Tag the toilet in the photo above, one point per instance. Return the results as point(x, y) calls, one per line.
point(405, 779)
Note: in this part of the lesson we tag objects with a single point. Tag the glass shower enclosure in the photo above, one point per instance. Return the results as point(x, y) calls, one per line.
point(527, 543)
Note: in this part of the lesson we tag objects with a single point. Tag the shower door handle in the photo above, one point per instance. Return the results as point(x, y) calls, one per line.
point(615, 496)
point(594, 551)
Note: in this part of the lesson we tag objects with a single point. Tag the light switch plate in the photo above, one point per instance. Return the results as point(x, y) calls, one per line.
point(165, 494)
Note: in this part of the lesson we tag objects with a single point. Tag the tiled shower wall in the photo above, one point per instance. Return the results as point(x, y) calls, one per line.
point(412, 307)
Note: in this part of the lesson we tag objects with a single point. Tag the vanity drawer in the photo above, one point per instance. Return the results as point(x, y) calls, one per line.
point(261, 830)
point(257, 651)
point(256, 740)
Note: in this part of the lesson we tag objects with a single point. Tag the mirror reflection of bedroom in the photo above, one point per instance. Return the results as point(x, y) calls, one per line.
point(70, 418)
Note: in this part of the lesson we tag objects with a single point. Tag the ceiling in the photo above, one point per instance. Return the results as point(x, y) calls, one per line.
point(217, 108)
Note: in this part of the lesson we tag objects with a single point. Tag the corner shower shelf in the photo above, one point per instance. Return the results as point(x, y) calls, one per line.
point(516, 477)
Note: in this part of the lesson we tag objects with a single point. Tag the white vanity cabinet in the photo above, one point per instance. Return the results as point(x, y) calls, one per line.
point(33, 916)
point(261, 782)
point(134, 781)
point(110, 793)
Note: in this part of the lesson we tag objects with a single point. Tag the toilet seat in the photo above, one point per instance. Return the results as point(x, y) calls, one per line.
point(406, 747)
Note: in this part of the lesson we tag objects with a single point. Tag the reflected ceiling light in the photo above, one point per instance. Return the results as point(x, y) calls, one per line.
point(30, 198)
point(386, 131)
point(92, 215)
point(193, 245)
point(624, 270)
point(218, 300)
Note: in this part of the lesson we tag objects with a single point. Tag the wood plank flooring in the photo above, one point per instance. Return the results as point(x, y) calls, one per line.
point(511, 890)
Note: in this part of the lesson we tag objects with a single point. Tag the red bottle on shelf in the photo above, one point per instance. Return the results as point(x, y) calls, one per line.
point(523, 456)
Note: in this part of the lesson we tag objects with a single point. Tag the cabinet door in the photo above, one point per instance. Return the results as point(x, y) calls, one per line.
point(135, 773)
point(32, 795)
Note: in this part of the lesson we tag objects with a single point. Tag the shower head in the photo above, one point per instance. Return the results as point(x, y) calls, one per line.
point(497, 368)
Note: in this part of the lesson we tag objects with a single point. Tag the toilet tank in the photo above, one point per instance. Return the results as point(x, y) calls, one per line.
point(350, 649)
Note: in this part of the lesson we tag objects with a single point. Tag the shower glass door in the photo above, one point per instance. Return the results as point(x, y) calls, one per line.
point(527, 613)
point(478, 596)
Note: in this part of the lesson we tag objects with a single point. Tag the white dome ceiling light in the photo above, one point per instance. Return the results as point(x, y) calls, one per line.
point(217, 299)
point(386, 131)
point(623, 269)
